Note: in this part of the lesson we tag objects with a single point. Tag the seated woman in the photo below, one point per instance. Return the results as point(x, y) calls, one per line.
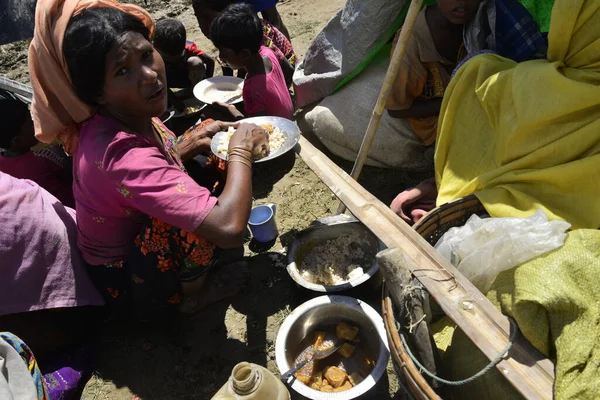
point(46, 297)
point(152, 236)
point(523, 136)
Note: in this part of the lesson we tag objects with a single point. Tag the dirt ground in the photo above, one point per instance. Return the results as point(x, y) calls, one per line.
point(191, 358)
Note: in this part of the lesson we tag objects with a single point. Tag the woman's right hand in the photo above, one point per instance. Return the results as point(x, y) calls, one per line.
point(226, 224)
point(251, 137)
point(413, 204)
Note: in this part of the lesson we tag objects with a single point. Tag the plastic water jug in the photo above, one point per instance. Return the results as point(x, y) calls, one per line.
point(252, 382)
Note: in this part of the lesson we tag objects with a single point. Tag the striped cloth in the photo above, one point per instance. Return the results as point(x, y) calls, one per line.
point(517, 35)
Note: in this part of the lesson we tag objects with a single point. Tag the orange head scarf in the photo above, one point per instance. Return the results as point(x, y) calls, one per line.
point(56, 110)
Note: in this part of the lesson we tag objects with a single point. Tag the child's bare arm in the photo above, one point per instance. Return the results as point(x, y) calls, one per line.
point(236, 115)
point(210, 65)
point(420, 108)
point(288, 71)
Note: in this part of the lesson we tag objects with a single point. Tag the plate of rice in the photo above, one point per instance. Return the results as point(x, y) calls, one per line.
point(283, 136)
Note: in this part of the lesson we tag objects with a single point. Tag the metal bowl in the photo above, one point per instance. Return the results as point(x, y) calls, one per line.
point(172, 112)
point(290, 129)
point(326, 310)
point(319, 233)
point(219, 88)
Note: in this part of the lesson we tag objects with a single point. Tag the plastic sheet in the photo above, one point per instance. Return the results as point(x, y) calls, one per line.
point(483, 248)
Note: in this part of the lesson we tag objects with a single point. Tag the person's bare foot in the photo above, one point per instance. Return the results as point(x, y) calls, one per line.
point(223, 282)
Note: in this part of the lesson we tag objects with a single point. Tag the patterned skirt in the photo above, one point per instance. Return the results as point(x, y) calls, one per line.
point(161, 258)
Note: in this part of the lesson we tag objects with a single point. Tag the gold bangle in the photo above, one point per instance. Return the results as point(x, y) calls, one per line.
point(241, 161)
point(244, 156)
point(239, 151)
point(242, 148)
point(241, 158)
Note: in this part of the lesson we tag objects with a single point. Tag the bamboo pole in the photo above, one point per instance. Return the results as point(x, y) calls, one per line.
point(524, 367)
point(386, 89)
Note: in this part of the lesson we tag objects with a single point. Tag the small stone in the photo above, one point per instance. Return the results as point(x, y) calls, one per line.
point(467, 305)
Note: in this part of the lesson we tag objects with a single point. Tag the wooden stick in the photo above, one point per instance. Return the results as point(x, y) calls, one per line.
point(386, 90)
point(526, 368)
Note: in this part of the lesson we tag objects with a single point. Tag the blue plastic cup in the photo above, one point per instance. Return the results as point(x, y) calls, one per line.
point(262, 223)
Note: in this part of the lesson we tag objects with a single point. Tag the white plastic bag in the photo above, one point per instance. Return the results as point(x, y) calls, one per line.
point(485, 247)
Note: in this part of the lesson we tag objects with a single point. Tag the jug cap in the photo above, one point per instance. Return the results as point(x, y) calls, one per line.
point(245, 378)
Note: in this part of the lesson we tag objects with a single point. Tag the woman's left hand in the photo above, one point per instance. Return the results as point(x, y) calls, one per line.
point(198, 139)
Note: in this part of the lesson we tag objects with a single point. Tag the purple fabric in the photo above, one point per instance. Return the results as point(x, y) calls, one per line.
point(63, 384)
point(41, 266)
point(69, 374)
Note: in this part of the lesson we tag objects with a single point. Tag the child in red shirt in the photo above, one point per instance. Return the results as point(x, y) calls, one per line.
point(237, 33)
point(185, 63)
point(49, 167)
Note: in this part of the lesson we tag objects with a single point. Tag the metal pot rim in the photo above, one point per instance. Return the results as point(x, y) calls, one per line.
point(358, 390)
point(292, 267)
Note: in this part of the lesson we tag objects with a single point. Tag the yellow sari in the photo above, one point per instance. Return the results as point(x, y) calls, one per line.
point(526, 136)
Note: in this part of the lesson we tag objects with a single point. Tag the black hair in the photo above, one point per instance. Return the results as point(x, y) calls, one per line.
point(87, 40)
point(13, 114)
point(169, 36)
point(237, 28)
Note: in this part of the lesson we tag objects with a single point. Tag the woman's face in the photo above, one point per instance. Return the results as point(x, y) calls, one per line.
point(135, 83)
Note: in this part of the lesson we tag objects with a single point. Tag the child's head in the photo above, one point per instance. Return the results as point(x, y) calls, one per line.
point(18, 129)
point(237, 32)
point(458, 12)
point(169, 39)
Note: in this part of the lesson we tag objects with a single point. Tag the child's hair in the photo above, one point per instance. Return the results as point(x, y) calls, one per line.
point(13, 114)
point(87, 40)
point(169, 36)
point(237, 28)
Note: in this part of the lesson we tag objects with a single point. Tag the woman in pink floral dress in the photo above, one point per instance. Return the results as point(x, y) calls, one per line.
point(152, 237)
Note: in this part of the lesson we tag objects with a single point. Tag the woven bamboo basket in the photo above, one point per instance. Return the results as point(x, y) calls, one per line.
point(432, 227)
